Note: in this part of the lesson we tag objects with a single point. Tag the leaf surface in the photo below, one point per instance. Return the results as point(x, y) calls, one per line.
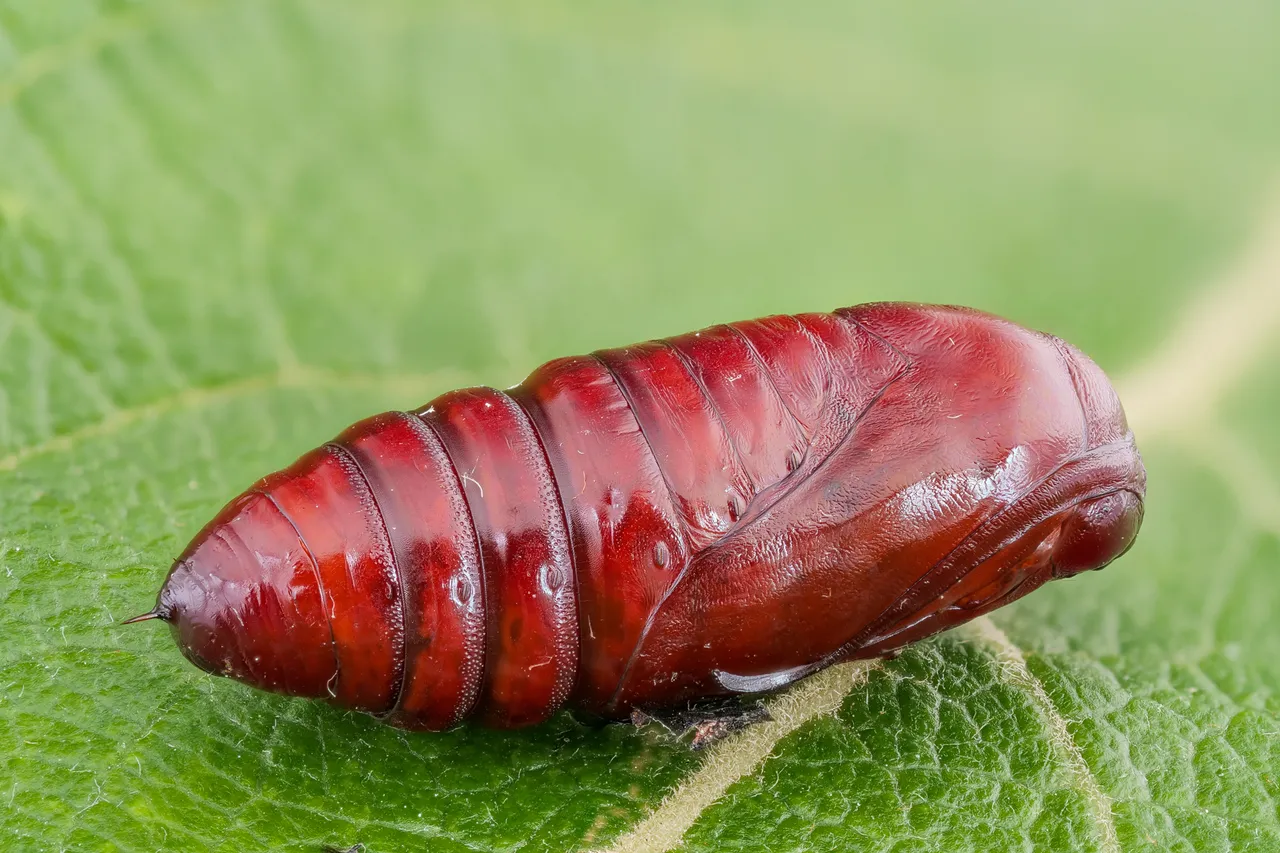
point(230, 228)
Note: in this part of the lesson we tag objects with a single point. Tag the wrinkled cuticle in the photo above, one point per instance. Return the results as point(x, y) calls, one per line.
point(325, 601)
point(235, 543)
point(402, 665)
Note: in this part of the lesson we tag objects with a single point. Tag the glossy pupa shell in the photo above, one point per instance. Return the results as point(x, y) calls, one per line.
point(717, 513)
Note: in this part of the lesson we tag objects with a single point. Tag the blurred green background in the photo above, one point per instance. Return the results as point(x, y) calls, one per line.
point(229, 228)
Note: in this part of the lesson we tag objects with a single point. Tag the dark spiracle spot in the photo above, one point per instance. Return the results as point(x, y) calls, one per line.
point(553, 578)
point(737, 506)
point(461, 590)
point(793, 460)
point(661, 555)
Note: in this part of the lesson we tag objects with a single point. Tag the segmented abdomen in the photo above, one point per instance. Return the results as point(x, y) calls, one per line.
point(513, 546)
point(719, 512)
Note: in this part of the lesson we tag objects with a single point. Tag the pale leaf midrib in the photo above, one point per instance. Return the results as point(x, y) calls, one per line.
point(738, 755)
point(1014, 672)
point(1224, 331)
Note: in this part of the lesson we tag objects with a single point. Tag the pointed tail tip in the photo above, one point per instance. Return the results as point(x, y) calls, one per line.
point(157, 613)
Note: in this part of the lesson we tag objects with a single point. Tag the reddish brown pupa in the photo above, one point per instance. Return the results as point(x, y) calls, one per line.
point(718, 513)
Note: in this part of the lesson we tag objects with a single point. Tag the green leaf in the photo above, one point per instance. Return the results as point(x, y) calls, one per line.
point(230, 228)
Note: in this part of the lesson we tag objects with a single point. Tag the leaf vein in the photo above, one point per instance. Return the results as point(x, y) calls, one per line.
point(1014, 671)
point(740, 754)
point(301, 378)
